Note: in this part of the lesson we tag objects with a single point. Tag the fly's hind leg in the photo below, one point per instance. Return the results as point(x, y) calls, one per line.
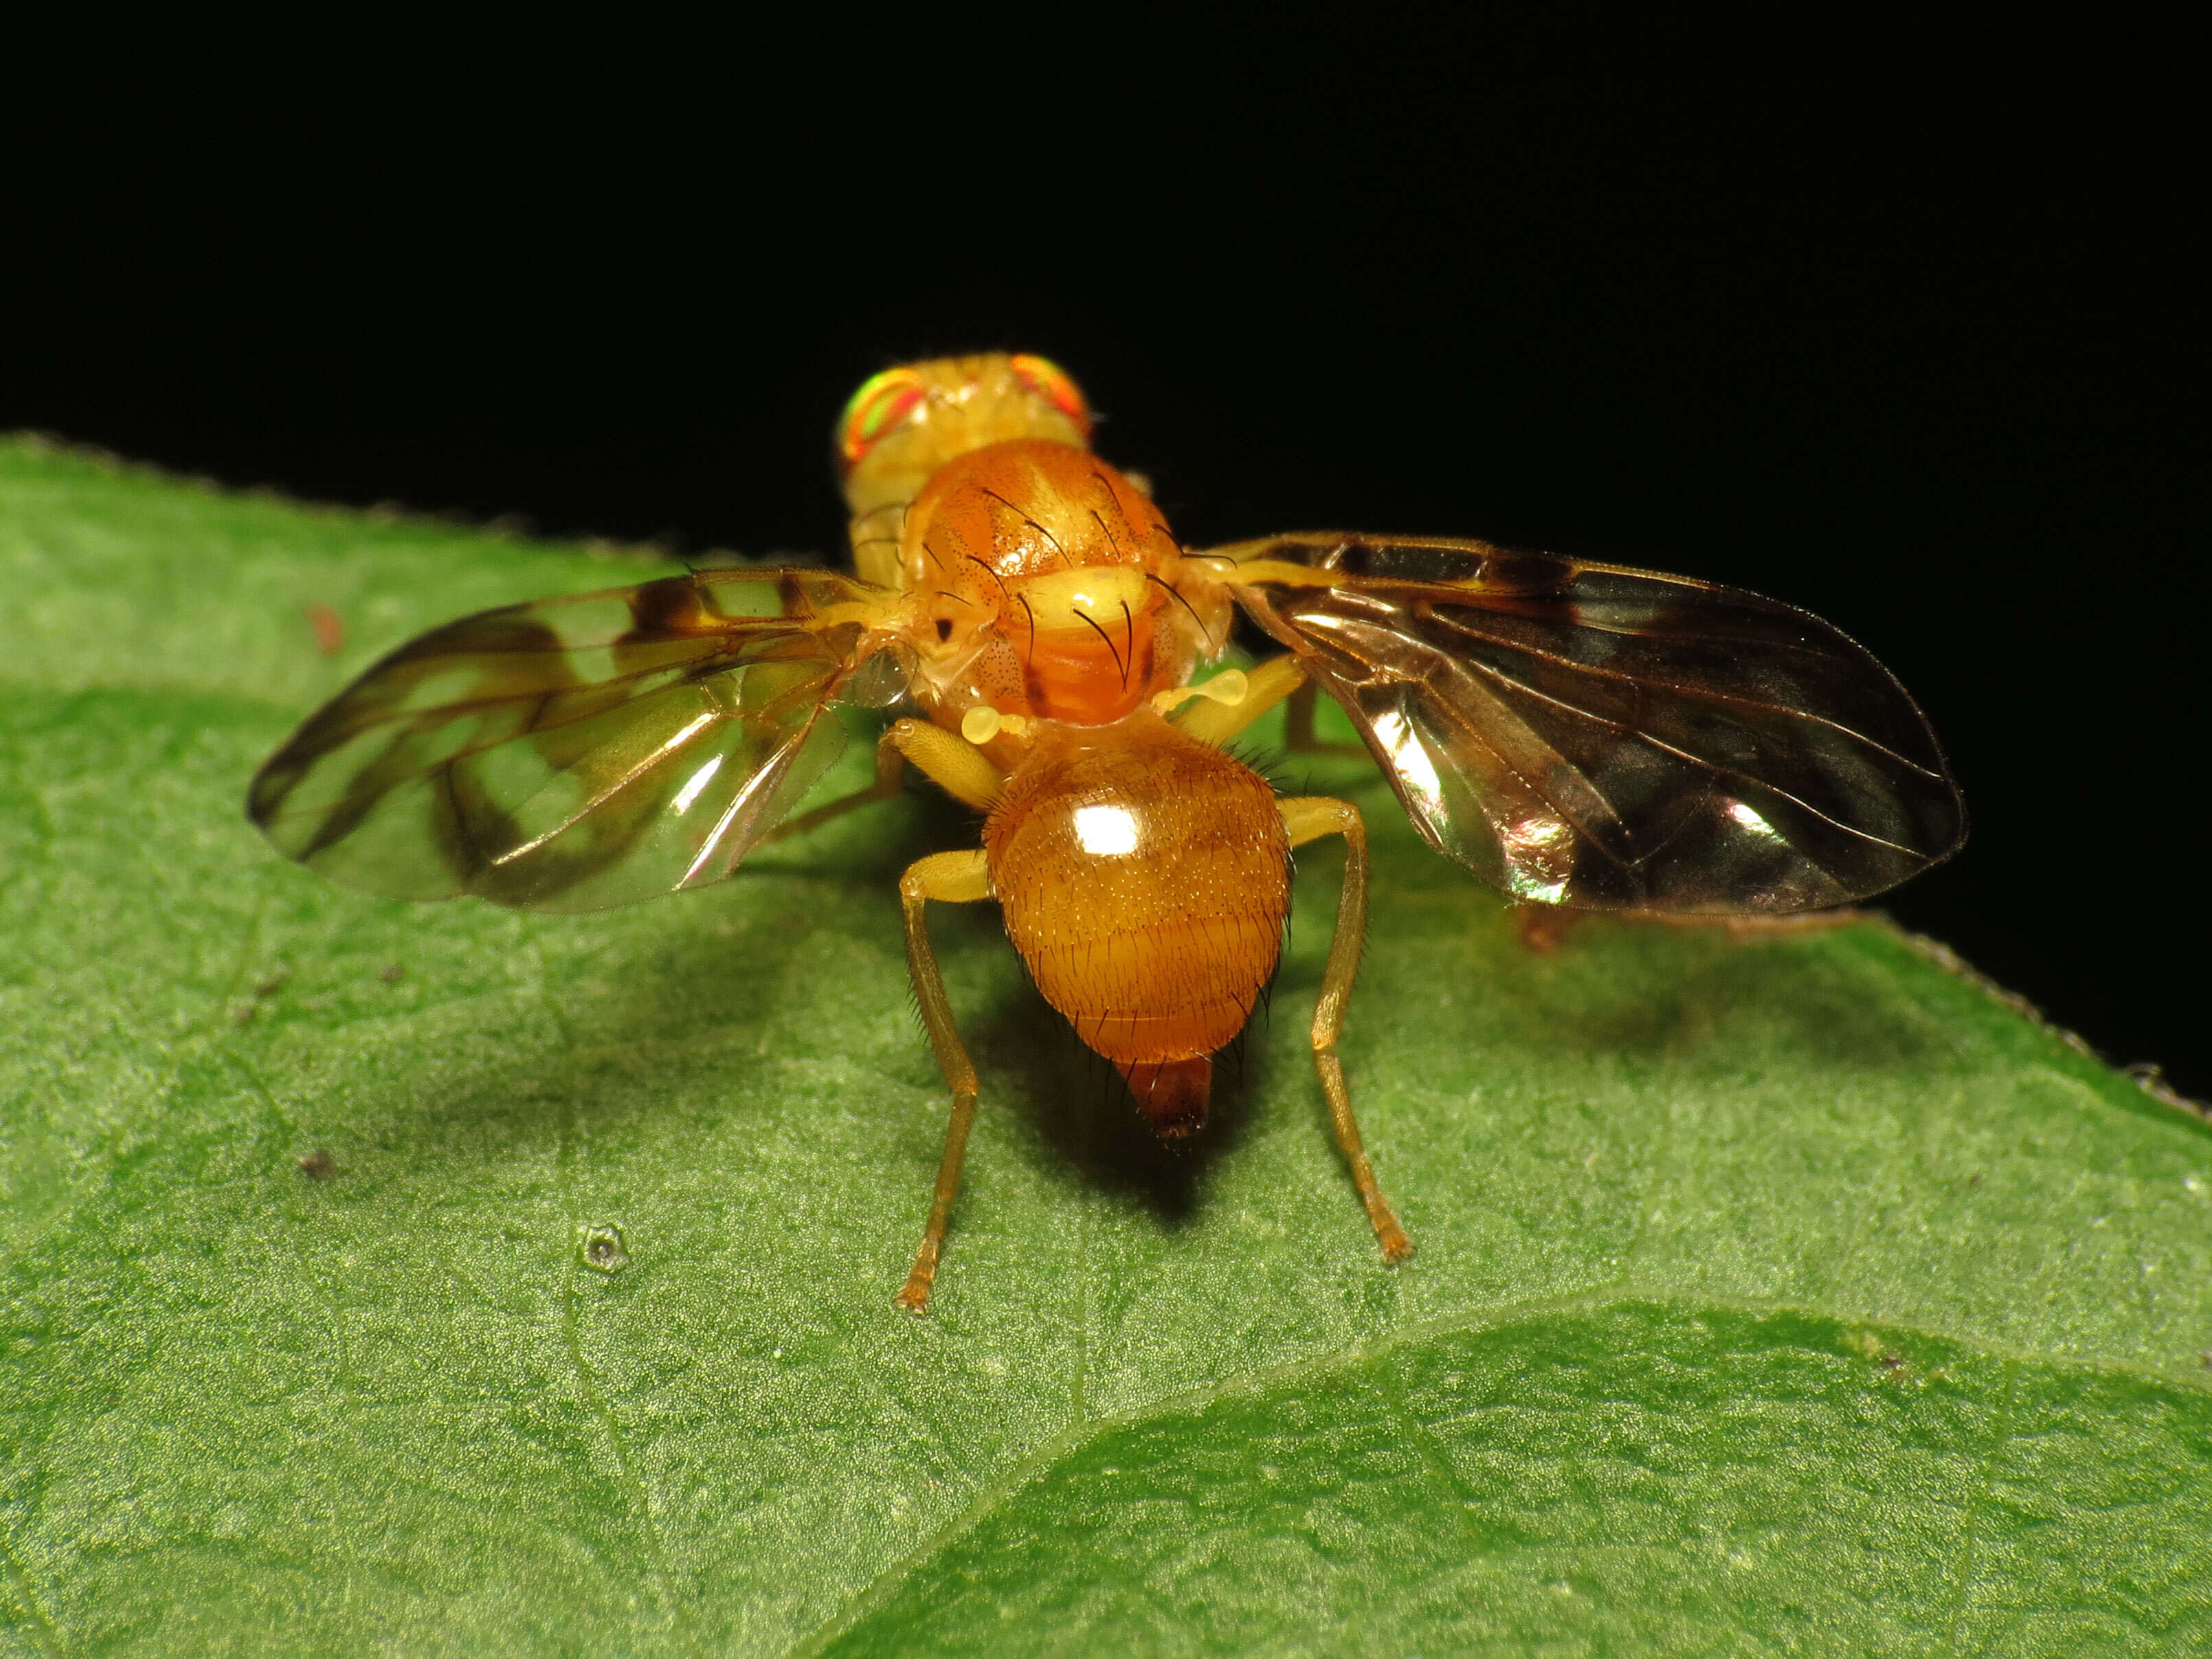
point(1309, 817)
point(950, 878)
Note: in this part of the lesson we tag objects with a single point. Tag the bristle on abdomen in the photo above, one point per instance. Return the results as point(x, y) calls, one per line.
point(1173, 1094)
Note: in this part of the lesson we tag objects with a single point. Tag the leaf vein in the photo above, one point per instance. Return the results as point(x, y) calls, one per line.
point(1615, 1294)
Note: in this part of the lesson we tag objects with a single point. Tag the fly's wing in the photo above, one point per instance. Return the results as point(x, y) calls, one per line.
point(1589, 735)
point(579, 753)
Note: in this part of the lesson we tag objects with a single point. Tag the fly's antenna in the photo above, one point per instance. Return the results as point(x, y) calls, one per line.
point(1102, 635)
point(1205, 633)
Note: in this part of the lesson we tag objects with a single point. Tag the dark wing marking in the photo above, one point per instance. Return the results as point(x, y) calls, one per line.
point(1586, 734)
point(578, 753)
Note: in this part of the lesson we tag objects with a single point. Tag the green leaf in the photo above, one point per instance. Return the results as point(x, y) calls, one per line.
point(1788, 1293)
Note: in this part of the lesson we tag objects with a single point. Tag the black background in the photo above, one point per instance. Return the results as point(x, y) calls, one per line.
point(1905, 331)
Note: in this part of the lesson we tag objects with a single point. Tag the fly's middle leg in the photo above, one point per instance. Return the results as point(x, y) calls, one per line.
point(1309, 817)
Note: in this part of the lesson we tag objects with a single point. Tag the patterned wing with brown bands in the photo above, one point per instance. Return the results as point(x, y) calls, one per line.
point(1590, 735)
point(579, 753)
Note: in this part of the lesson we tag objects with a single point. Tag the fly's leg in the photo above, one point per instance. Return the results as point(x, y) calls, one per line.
point(962, 770)
point(1309, 817)
point(968, 774)
point(1298, 727)
point(950, 878)
point(950, 761)
point(1213, 719)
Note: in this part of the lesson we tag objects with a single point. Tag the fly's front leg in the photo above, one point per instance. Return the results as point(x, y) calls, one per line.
point(950, 878)
point(1308, 818)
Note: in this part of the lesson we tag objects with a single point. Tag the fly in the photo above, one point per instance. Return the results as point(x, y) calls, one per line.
point(1581, 735)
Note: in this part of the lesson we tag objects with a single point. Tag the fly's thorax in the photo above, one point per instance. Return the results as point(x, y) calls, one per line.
point(1146, 880)
point(1048, 586)
point(1029, 508)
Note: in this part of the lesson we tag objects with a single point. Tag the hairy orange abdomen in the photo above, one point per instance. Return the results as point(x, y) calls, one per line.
point(1146, 879)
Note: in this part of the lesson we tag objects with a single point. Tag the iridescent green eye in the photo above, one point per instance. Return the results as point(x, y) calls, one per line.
point(883, 401)
point(1050, 381)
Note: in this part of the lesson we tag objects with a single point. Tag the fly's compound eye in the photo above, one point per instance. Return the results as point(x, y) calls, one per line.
point(883, 401)
point(1050, 381)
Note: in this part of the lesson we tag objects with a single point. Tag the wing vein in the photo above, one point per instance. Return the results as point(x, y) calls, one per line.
point(622, 781)
point(1666, 687)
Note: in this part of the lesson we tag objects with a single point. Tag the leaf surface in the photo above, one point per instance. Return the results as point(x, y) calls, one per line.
point(1795, 1293)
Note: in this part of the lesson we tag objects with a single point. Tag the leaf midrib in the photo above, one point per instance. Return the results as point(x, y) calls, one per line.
point(1628, 1291)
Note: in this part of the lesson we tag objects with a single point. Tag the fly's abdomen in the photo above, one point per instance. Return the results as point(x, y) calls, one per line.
point(1145, 878)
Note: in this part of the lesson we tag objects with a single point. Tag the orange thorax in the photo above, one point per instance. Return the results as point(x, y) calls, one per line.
point(1047, 576)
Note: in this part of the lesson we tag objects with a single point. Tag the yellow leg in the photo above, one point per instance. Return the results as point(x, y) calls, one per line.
point(950, 878)
point(1308, 818)
point(1218, 723)
point(950, 761)
point(1278, 677)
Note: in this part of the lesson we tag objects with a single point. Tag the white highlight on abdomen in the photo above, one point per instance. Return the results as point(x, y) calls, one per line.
point(1106, 831)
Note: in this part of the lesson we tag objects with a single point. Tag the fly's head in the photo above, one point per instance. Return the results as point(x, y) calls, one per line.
point(906, 423)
